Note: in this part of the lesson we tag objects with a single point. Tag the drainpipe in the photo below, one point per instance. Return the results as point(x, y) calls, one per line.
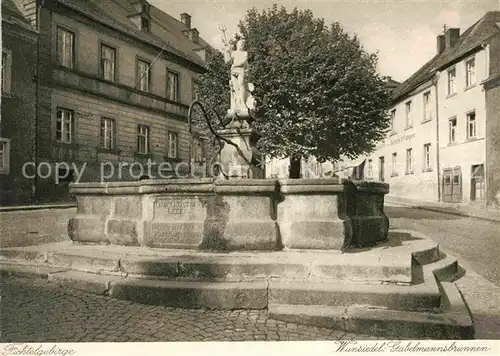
point(486, 49)
point(438, 163)
point(190, 144)
point(34, 192)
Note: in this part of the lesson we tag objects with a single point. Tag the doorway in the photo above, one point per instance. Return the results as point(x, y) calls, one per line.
point(477, 183)
point(452, 185)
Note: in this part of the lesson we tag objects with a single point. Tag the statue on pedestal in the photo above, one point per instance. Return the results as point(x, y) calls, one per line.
point(242, 101)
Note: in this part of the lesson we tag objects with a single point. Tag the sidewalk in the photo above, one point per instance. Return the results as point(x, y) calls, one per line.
point(490, 214)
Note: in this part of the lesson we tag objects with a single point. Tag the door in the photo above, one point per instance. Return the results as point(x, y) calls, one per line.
point(447, 185)
point(477, 183)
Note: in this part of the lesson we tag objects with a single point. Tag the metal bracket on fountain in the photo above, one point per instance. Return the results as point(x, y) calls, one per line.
point(238, 154)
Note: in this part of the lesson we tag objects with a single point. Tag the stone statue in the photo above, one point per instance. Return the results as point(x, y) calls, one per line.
point(242, 100)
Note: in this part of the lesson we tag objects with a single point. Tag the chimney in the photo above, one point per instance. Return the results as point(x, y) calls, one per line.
point(451, 37)
point(440, 44)
point(186, 19)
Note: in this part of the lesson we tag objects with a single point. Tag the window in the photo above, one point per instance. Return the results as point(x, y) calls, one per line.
point(108, 127)
point(143, 139)
point(143, 71)
point(427, 106)
point(6, 71)
point(108, 60)
point(172, 145)
point(470, 72)
point(471, 125)
point(452, 81)
point(427, 157)
point(65, 48)
point(452, 125)
point(65, 175)
point(172, 86)
point(409, 161)
point(370, 168)
point(394, 164)
point(381, 169)
point(197, 150)
point(393, 120)
point(64, 125)
point(4, 156)
point(409, 120)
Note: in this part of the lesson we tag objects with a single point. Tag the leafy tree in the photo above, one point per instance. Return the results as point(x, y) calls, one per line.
point(317, 89)
point(213, 87)
point(214, 93)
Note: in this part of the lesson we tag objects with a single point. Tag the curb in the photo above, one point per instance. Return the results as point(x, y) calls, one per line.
point(443, 210)
point(36, 207)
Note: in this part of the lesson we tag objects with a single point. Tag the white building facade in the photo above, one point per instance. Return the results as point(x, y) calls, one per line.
point(407, 158)
point(436, 148)
point(462, 123)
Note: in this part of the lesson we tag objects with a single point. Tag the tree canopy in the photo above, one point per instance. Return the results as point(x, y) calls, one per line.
point(317, 90)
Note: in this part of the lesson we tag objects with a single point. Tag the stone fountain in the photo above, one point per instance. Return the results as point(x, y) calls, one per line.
point(238, 210)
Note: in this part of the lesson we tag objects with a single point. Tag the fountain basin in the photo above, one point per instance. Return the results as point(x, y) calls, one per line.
point(239, 214)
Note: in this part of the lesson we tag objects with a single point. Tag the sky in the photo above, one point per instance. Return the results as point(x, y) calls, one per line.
point(403, 32)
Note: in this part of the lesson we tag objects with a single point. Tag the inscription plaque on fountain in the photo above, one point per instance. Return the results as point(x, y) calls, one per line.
point(179, 208)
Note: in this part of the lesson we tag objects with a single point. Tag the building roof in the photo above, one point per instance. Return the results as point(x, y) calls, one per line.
point(12, 14)
point(469, 41)
point(116, 14)
point(175, 26)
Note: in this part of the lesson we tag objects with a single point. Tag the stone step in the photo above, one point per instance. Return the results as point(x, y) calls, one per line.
point(388, 323)
point(445, 269)
point(177, 294)
point(389, 262)
point(425, 296)
point(365, 267)
point(218, 295)
point(9, 268)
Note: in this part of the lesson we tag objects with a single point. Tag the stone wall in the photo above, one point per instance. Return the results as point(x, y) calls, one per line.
point(492, 89)
point(493, 145)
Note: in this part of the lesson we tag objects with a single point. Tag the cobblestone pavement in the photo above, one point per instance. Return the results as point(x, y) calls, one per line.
point(36, 311)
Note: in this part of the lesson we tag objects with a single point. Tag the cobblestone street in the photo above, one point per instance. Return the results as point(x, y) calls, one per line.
point(36, 311)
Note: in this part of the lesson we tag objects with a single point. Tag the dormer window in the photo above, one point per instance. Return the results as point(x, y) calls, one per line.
point(193, 35)
point(141, 15)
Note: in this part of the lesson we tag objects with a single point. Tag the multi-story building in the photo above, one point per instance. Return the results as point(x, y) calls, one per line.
point(311, 168)
point(116, 78)
point(444, 139)
point(18, 88)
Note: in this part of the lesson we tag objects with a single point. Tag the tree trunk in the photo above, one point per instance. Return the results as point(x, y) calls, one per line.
point(294, 172)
